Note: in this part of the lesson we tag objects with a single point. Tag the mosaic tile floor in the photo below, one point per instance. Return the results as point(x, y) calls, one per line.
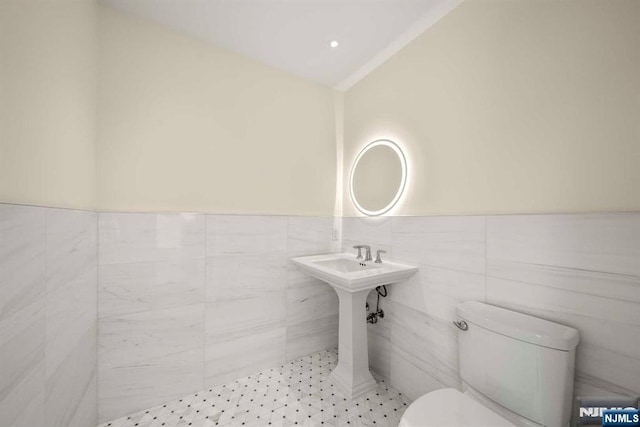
point(298, 393)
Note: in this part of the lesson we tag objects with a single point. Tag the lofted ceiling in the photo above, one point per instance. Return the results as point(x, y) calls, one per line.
point(296, 35)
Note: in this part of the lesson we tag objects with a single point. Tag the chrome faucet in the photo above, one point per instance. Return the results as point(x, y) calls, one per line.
point(367, 256)
point(378, 259)
point(359, 247)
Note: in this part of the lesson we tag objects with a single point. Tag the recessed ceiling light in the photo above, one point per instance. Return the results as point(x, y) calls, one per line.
point(334, 43)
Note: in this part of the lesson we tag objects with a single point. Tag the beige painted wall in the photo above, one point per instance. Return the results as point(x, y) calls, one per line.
point(47, 102)
point(184, 126)
point(523, 106)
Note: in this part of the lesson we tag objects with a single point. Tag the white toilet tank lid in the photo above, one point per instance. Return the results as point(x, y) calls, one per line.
point(519, 326)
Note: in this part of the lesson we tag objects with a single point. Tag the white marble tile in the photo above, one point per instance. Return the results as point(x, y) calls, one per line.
point(22, 315)
point(130, 237)
point(369, 231)
point(22, 366)
point(72, 242)
point(71, 314)
point(297, 278)
point(151, 310)
point(429, 344)
point(311, 335)
point(22, 256)
point(438, 291)
point(457, 243)
point(133, 339)
point(71, 309)
point(87, 410)
point(131, 388)
point(375, 232)
point(246, 297)
point(230, 358)
point(245, 276)
point(595, 242)
point(408, 378)
point(150, 357)
point(603, 284)
point(245, 291)
point(311, 236)
point(620, 371)
point(143, 286)
point(588, 385)
point(49, 262)
point(308, 236)
point(246, 315)
point(313, 300)
point(24, 405)
point(246, 234)
point(71, 388)
point(556, 300)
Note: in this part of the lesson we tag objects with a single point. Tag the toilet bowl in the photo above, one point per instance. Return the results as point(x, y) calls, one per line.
point(516, 370)
point(448, 408)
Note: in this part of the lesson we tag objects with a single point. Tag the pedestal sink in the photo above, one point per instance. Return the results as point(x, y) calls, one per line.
point(353, 279)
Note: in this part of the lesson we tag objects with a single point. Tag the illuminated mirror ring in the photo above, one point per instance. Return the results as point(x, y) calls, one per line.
point(403, 178)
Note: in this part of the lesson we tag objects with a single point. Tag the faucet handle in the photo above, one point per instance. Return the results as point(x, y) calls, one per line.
point(367, 256)
point(359, 248)
point(378, 259)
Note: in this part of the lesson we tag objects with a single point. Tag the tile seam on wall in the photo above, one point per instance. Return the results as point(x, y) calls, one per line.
point(530, 283)
point(205, 308)
point(286, 291)
point(46, 302)
point(486, 255)
point(585, 270)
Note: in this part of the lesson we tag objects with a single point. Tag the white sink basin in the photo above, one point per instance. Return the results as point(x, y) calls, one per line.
point(344, 271)
point(343, 265)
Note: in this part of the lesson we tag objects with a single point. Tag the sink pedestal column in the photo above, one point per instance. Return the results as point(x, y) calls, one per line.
point(352, 375)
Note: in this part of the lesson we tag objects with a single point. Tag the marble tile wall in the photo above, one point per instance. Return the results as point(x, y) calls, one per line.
point(579, 270)
point(188, 301)
point(245, 295)
point(48, 283)
point(71, 318)
point(150, 309)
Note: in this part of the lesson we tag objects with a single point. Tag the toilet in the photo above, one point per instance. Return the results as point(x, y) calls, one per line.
point(516, 370)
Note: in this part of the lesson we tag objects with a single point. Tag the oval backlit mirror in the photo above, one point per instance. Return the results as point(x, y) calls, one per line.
point(378, 177)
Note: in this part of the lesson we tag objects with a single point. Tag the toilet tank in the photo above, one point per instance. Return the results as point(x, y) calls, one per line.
point(522, 363)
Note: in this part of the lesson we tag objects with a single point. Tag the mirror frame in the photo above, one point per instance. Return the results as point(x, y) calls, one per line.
point(403, 180)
